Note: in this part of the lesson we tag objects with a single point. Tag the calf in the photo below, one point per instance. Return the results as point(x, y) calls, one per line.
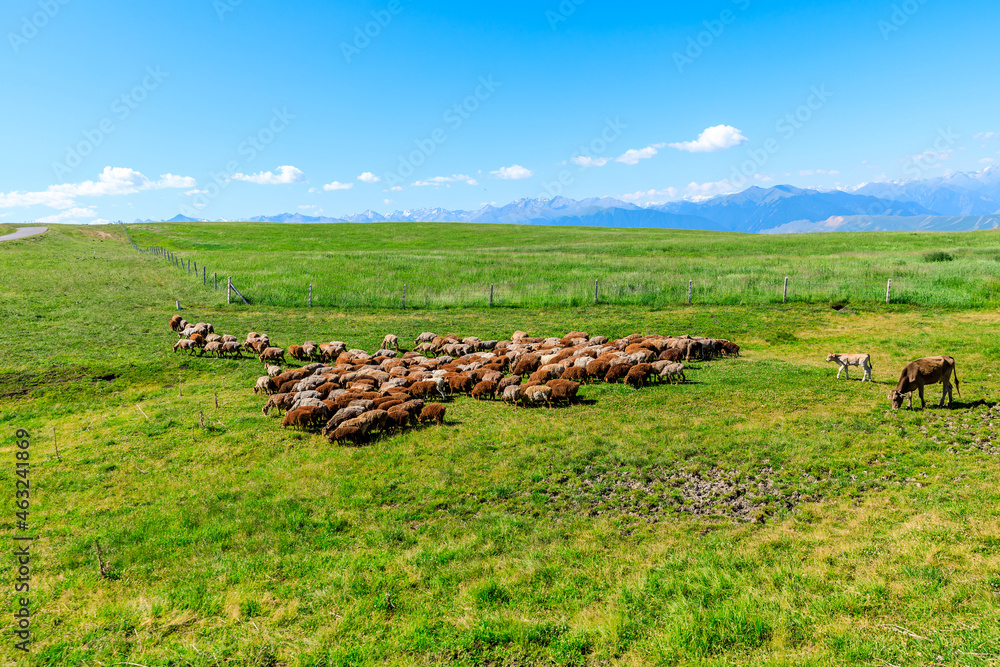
point(846, 360)
point(917, 374)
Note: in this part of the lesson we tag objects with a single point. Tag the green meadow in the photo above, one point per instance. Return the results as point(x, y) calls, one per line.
point(764, 513)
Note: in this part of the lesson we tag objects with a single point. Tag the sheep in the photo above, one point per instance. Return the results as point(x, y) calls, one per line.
point(390, 341)
point(433, 413)
point(272, 354)
point(281, 402)
point(426, 389)
point(672, 372)
point(347, 433)
point(273, 371)
point(175, 323)
point(230, 348)
point(296, 352)
point(537, 394)
point(616, 373)
point(563, 390)
point(198, 339)
point(265, 384)
point(341, 416)
point(213, 347)
point(671, 355)
point(598, 368)
point(299, 417)
point(229, 338)
point(185, 344)
point(637, 375)
point(485, 388)
point(511, 394)
point(527, 365)
point(400, 418)
point(575, 373)
point(310, 349)
point(213, 338)
point(461, 384)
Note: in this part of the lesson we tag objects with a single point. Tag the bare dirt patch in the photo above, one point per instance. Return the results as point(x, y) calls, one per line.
point(655, 493)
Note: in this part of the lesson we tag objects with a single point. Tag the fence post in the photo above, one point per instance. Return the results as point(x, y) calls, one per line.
point(216, 277)
point(229, 290)
point(310, 295)
point(404, 297)
point(689, 292)
point(196, 268)
point(178, 305)
point(204, 275)
point(784, 296)
point(595, 292)
point(888, 290)
point(491, 295)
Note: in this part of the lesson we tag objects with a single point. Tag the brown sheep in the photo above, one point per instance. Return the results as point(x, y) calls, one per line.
point(198, 339)
point(426, 389)
point(266, 385)
point(175, 323)
point(672, 355)
point(272, 354)
point(598, 368)
point(563, 390)
point(542, 375)
point(510, 381)
point(575, 373)
point(281, 402)
point(212, 348)
point(296, 352)
point(432, 413)
point(460, 384)
point(300, 417)
point(616, 373)
point(185, 344)
point(400, 418)
point(390, 342)
point(231, 349)
point(637, 375)
point(730, 348)
point(528, 364)
point(351, 434)
point(485, 388)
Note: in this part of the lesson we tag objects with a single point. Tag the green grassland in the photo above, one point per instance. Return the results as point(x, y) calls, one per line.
point(453, 265)
point(763, 514)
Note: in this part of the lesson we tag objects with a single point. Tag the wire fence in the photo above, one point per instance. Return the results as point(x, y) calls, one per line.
point(665, 290)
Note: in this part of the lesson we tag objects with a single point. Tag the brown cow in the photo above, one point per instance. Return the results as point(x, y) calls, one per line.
point(917, 374)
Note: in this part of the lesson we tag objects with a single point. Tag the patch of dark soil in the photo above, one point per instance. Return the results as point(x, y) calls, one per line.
point(13, 385)
point(655, 493)
point(966, 428)
point(107, 378)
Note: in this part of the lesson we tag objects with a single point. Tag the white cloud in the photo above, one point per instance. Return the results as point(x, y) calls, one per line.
point(698, 191)
point(633, 155)
point(987, 160)
point(100, 221)
point(515, 172)
point(987, 136)
point(584, 161)
point(369, 177)
point(337, 185)
point(286, 174)
point(387, 201)
point(111, 181)
point(812, 172)
point(69, 216)
point(396, 188)
point(447, 180)
point(651, 196)
point(191, 193)
point(716, 138)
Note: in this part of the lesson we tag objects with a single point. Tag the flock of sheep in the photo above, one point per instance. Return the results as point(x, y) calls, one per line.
point(350, 394)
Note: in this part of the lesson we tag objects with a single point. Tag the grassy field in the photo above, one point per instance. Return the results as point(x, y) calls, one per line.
point(764, 514)
point(453, 265)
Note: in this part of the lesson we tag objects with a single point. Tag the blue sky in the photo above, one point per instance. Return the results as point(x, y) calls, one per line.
point(234, 108)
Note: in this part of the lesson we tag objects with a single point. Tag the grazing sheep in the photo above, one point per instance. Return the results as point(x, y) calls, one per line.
point(637, 375)
point(230, 348)
point(198, 339)
point(575, 373)
point(296, 352)
point(212, 348)
point(486, 388)
point(617, 373)
point(341, 416)
point(299, 417)
point(673, 354)
point(730, 348)
point(175, 323)
point(673, 372)
point(351, 434)
point(272, 354)
point(528, 364)
point(598, 368)
point(281, 402)
point(563, 390)
point(400, 418)
point(229, 338)
point(310, 349)
point(390, 341)
point(273, 371)
point(460, 384)
point(185, 344)
point(432, 413)
point(213, 338)
point(511, 394)
point(537, 394)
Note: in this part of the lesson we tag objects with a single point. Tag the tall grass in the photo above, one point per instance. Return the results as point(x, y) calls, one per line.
point(454, 265)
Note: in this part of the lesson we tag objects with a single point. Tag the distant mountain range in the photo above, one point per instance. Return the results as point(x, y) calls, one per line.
point(956, 202)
